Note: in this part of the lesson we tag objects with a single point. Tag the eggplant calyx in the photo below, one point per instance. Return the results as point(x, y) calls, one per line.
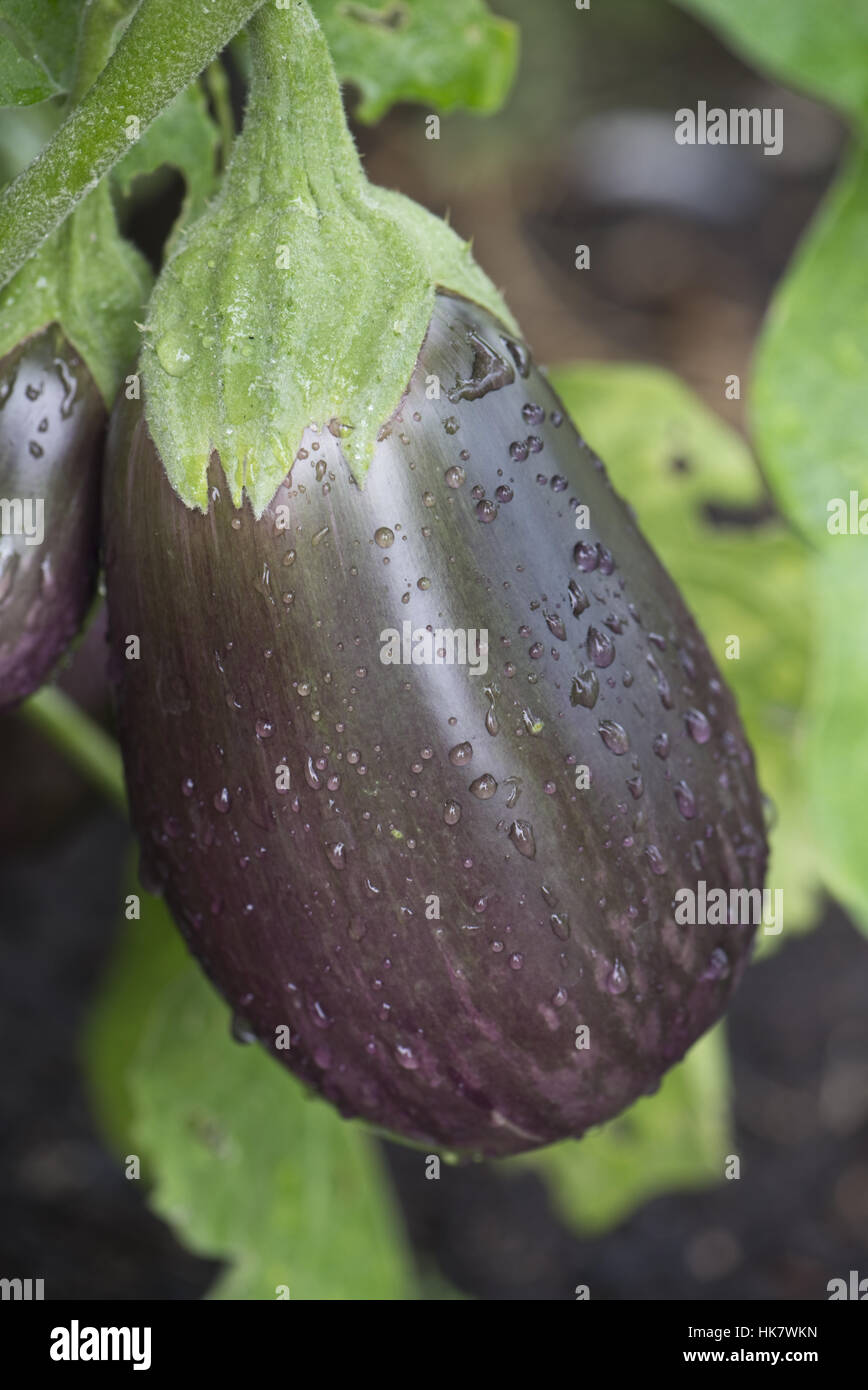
point(302, 296)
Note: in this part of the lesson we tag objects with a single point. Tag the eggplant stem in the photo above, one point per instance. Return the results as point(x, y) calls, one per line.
point(86, 745)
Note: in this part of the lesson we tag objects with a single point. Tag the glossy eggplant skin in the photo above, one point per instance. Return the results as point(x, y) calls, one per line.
point(52, 425)
point(433, 942)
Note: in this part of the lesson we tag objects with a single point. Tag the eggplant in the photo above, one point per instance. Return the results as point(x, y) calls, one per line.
point(445, 876)
point(52, 425)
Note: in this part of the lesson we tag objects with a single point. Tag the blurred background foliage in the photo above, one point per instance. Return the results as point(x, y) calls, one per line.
point(705, 262)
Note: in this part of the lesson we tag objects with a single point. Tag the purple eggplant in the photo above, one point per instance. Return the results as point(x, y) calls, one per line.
point(421, 764)
point(52, 423)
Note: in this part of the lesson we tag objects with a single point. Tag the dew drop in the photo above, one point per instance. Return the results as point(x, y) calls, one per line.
point(718, 965)
point(698, 726)
point(614, 736)
point(173, 354)
point(600, 648)
point(521, 834)
point(336, 853)
point(585, 689)
point(514, 784)
point(240, 1030)
point(532, 723)
point(685, 800)
point(461, 754)
point(484, 787)
point(579, 600)
point(607, 560)
point(585, 556)
point(520, 354)
point(560, 925)
point(555, 626)
point(655, 859)
point(319, 1015)
point(617, 979)
point(663, 688)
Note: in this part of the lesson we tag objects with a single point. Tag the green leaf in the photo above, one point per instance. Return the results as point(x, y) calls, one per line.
point(809, 396)
point(185, 137)
point(23, 132)
point(251, 1169)
point(37, 49)
point(241, 1162)
point(22, 82)
point(676, 1139)
point(149, 954)
point(820, 47)
point(443, 53)
point(836, 752)
point(752, 583)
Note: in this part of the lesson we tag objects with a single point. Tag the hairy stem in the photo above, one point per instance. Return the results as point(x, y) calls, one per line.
point(167, 44)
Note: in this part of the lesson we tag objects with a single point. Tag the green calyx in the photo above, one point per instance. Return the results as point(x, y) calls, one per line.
point(92, 282)
point(302, 296)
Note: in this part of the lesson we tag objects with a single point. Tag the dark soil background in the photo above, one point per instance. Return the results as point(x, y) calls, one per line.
point(684, 258)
